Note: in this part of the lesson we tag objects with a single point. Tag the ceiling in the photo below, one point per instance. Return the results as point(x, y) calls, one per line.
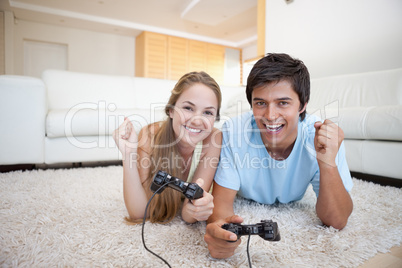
point(227, 22)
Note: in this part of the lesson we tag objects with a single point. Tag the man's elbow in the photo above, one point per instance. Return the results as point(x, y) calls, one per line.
point(337, 218)
point(338, 223)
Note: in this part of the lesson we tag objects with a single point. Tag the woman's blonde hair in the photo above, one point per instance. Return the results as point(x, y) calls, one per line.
point(165, 206)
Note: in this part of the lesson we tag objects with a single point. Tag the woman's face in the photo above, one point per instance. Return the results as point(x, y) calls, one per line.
point(194, 114)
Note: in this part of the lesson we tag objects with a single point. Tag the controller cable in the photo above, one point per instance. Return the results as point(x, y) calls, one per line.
point(248, 252)
point(143, 224)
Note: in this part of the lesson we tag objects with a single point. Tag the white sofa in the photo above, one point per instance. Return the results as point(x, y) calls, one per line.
point(68, 117)
point(368, 107)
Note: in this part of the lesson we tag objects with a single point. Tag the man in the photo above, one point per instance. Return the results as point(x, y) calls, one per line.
point(273, 153)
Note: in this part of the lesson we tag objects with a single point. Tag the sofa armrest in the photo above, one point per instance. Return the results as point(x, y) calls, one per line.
point(22, 120)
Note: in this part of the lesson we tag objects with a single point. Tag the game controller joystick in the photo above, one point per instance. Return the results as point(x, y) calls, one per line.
point(190, 190)
point(267, 229)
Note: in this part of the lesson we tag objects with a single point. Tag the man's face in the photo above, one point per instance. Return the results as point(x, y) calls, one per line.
point(276, 108)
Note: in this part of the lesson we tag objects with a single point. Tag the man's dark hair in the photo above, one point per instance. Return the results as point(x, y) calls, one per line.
point(276, 67)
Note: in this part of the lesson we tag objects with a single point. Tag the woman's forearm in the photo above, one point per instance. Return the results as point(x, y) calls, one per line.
point(135, 197)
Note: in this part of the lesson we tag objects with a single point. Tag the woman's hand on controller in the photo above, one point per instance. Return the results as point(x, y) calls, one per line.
point(200, 209)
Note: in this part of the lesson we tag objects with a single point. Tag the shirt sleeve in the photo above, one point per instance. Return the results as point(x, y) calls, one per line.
point(343, 170)
point(227, 174)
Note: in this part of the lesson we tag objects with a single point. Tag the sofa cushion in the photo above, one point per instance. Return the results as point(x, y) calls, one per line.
point(385, 123)
point(236, 106)
point(353, 122)
point(152, 92)
point(375, 123)
point(66, 89)
point(94, 121)
point(364, 89)
point(381, 158)
point(230, 95)
point(81, 149)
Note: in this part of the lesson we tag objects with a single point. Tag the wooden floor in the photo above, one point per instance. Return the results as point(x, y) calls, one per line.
point(391, 259)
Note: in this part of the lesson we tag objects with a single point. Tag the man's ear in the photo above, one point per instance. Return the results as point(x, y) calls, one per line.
point(303, 109)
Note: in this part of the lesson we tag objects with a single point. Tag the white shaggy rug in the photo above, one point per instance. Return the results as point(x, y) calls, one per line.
point(75, 218)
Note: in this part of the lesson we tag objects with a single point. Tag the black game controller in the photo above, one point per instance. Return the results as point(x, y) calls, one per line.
point(189, 189)
point(267, 229)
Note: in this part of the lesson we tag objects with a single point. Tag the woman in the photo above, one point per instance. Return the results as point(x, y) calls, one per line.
point(185, 145)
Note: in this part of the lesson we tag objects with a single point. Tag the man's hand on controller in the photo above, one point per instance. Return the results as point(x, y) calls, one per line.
point(218, 239)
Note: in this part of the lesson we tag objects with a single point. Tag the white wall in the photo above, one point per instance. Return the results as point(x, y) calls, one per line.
point(9, 42)
point(337, 36)
point(88, 51)
point(249, 53)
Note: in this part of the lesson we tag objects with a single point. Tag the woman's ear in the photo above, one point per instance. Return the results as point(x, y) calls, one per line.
point(171, 111)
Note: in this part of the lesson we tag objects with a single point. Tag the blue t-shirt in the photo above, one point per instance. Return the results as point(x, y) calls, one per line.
point(246, 166)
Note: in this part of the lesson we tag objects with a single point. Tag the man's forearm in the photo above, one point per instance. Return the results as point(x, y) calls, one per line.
point(220, 212)
point(223, 203)
point(334, 204)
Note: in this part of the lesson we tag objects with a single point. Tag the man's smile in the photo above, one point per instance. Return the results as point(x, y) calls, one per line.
point(273, 127)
